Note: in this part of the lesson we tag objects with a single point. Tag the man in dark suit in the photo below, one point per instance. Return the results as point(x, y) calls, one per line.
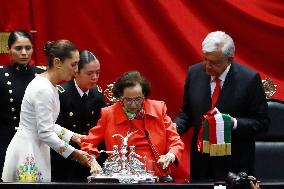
point(81, 101)
point(241, 95)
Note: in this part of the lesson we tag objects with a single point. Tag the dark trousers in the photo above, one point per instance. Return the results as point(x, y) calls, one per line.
point(206, 168)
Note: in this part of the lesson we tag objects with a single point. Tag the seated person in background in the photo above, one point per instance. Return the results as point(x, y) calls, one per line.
point(156, 137)
point(81, 101)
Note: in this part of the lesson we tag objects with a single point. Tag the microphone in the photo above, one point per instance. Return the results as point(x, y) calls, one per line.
point(166, 178)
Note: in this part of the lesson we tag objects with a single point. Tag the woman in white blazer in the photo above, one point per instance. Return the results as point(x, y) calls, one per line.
point(28, 155)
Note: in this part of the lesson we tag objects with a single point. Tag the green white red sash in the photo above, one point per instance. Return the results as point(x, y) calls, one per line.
point(215, 134)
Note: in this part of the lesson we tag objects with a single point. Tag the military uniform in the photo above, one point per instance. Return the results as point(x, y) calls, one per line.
point(77, 115)
point(13, 82)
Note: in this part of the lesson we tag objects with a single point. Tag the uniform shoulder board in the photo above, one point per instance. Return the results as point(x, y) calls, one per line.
point(60, 88)
point(42, 67)
point(1, 67)
point(100, 89)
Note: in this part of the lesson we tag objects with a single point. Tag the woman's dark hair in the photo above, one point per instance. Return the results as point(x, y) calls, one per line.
point(58, 49)
point(130, 79)
point(16, 34)
point(85, 58)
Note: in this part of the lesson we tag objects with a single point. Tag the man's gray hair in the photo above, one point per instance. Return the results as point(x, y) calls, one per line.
point(219, 40)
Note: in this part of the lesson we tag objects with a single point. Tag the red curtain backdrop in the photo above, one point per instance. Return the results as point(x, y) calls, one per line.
point(160, 38)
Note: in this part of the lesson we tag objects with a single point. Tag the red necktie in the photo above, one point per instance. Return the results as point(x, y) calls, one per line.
point(216, 92)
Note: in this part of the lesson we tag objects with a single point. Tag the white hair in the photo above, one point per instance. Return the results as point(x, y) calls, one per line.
point(219, 40)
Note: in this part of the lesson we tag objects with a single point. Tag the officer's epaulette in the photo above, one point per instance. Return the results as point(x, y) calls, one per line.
point(100, 89)
point(42, 67)
point(60, 88)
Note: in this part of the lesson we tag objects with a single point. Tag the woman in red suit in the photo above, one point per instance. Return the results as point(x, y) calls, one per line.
point(156, 138)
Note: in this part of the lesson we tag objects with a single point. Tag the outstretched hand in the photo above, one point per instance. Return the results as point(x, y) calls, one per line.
point(77, 138)
point(175, 126)
point(82, 157)
point(165, 160)
point(254, 186)
point(95, 167)
point(254, 183)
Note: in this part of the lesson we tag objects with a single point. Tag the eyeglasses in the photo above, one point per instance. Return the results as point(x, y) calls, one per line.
point(129, 101)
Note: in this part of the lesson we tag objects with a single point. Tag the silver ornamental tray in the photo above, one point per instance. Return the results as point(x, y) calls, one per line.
point(125, 179)
point(123, 166)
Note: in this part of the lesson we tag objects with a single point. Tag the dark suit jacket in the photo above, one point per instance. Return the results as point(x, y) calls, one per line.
point(242, 96)
point(78, 117)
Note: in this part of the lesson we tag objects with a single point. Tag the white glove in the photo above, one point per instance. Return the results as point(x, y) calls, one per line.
point(165, 160)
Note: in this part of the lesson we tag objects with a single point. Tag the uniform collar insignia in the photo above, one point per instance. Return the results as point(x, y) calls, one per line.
point(21, 67)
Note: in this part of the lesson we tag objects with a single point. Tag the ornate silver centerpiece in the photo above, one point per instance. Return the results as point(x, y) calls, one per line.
point(269, 87)
point(123, 168)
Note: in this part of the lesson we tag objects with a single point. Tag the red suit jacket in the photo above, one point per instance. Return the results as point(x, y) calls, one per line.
point(157, 123)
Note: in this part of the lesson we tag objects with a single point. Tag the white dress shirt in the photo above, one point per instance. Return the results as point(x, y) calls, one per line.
point(222, 79)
